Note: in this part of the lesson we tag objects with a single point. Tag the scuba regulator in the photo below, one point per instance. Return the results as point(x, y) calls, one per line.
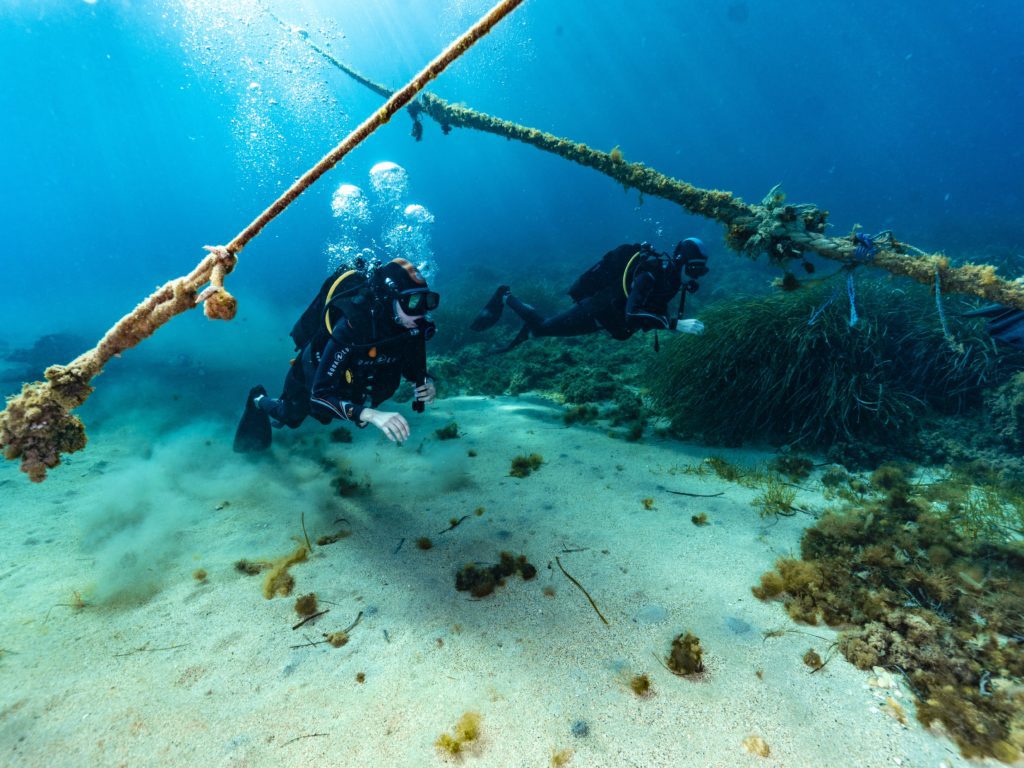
point(691, 260)
point(694, 262)
point(415, 301)
point(364, 297)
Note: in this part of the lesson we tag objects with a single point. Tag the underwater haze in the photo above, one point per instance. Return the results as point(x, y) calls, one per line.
point(136, 132)
point(710, 527)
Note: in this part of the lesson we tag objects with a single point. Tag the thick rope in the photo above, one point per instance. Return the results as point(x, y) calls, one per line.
point(783, 231)
point(380, 90)
point(37, 425)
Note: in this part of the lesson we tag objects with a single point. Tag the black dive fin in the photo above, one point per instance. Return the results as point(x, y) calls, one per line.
point(253, 434)
point(989, 310)
point(1005, 324)
point(491, 313)
point(523, 335)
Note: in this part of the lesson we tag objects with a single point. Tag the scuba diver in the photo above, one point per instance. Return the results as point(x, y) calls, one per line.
point(361, 335)
point(628, 290)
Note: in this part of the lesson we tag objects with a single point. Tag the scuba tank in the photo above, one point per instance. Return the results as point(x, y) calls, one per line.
point(345, 292)
point(349, 295)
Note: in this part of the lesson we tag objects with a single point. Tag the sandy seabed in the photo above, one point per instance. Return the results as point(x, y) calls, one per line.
point(114, 654)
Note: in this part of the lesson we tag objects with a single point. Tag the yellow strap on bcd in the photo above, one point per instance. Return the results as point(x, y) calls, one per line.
point(625, 272)
point(330, 295)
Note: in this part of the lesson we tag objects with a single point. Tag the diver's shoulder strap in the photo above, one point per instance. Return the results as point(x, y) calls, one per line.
point(310, 323)
point(335, 293)
point(630, 270)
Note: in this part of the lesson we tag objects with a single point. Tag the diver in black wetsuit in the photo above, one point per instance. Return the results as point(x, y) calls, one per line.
point(628, 290)
point(364, 332)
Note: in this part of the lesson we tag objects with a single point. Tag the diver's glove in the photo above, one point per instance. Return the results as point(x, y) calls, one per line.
point(390, 423)
point(695, 327)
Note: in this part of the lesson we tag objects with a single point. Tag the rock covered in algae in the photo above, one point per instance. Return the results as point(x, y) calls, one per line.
point(1006, 406)
point(935, 598)
point(686, 657)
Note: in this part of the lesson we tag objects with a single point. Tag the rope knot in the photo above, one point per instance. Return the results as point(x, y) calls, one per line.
point(781, 229)
point(865, 249)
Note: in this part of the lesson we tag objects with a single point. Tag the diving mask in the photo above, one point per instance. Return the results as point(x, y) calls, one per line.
point(417, 302)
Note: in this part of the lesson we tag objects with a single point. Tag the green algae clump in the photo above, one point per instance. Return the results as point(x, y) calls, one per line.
point(641, 685)
point(795, 468)
point(481, 581)
point(449, 431)
point(279, 582)
point(821, 385)
point(306, 605)
point(686, 656)
point(466, 731)
point(914, 585)
point(524, 465)
point(775, 500)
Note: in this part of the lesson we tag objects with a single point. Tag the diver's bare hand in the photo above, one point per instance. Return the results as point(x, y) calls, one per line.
point(426, 393)
point(390, 423)
point(695, 327)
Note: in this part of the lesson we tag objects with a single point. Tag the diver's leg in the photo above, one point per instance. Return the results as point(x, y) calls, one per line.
point(575, 321)
point(527, 312)
point(578, 320)
point(292, 407)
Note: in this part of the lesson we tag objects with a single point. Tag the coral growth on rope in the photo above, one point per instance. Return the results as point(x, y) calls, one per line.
point(37, 426)
point(781, 230)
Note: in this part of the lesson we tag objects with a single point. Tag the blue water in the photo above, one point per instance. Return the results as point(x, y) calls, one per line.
point(131, 136)
point(134, 133)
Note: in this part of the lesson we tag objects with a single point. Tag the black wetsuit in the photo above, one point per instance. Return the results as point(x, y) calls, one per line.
point(601, 302)
point(337, 379)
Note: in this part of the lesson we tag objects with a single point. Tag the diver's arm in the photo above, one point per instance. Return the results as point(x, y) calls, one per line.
point(413, 363)
point(638, 318)
point(327, 381)
point(330, 379)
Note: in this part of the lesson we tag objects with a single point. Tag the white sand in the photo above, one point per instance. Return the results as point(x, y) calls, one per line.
point(203, 674)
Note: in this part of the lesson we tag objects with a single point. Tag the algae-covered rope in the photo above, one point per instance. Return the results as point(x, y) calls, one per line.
point(783, 231)
point(37, 425)
point(380, 90)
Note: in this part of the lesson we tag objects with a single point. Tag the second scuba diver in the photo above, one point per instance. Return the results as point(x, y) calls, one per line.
point(365, 331)
point(628, 290)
